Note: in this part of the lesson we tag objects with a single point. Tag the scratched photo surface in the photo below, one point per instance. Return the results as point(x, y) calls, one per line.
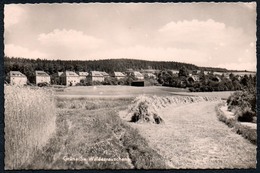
point(130, 86)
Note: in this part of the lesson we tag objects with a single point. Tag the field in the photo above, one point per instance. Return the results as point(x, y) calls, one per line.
point(117, 91)
point(93, 132)
point(192, 137)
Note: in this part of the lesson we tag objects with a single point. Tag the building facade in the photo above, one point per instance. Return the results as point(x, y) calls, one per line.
point(82, 75)
point(96, 76)
point(118, 75)
point(138, 75)
point(16, 78)
point(69, 78)
point(42, 77)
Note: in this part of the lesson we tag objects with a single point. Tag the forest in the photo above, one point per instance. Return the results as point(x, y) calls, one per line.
point(28, 66)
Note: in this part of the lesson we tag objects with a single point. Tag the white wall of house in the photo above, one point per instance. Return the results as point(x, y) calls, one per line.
point(43, 79)
point(140, 77)
point(82, 78)
point(98, 78)
point(72, 80)
point(18, 80)
point(119, 77)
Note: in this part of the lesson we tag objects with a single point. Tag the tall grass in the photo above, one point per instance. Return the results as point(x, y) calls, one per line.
point(29, 122)
point(91, 103)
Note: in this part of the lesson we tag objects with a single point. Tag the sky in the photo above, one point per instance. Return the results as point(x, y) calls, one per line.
point(204, 34)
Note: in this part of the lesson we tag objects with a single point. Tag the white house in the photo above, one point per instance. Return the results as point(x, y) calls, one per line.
point(16, 78)
point(175, 71)
point(59, 73)
point(42, 77)
point(207, 72)
point(194, 78)
point(118, 75)
point(105, 74)
point(69, 78)
point(217, 73)
point(82, 75)
point(137, 75)
point(96, 76)
point(150, 76)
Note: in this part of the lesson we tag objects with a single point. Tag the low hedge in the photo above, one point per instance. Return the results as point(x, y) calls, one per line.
point(240, 128)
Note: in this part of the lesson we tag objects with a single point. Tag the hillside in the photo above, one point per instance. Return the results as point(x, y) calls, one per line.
point(27, 66)
point(108, 65)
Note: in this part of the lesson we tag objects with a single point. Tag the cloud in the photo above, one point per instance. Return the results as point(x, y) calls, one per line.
point(12, 14)
point(72, 39)
point(69, 44)
point(197, 33)
point(192, 26)
point(12, 50)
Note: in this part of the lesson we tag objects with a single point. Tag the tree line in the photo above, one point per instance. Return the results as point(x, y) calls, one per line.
point(206, 82)
point(28, 66)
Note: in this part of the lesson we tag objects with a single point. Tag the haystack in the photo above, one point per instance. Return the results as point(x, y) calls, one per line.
point(144, 110)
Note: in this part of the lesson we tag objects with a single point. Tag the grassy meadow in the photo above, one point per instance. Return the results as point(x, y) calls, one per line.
point(95, 131)
point(81, 128)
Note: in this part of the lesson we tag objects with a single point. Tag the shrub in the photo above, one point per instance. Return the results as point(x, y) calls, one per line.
point(245, 115)
point(29, 123)
point(243, 103)
point(43, 84)
point(240, 128)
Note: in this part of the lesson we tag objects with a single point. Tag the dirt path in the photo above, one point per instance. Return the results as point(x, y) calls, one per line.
point(193, 137)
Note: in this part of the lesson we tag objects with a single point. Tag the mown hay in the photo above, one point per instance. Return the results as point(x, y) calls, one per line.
point(146, 108)
point(146, 113)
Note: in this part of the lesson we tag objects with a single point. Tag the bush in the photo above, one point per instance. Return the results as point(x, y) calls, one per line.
point(240, 128)
point(43, 84)
point(243, 103)
point(245, 115)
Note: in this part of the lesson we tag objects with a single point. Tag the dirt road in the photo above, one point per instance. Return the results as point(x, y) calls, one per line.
point(193, 137)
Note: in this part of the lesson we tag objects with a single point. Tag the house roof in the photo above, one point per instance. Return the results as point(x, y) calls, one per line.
point(104, 73)
point(70, 74)
point(96, 74)
point(150, 75)
point(137, 74)
point(119, 74)
point(217, 73)
point(83, 73)
point(41, 73)
point(16, 74)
